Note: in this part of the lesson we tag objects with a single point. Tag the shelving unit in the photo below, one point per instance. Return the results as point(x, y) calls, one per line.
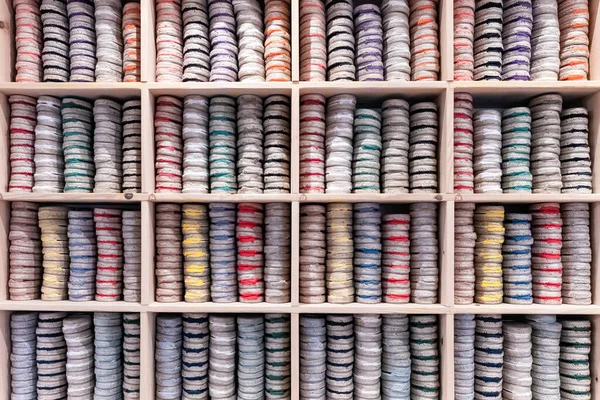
point(497, 93)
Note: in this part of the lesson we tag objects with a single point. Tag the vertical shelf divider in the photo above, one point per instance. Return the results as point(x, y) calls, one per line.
point(147, 337)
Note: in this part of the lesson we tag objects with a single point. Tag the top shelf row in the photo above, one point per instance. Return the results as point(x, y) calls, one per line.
point(278, 41)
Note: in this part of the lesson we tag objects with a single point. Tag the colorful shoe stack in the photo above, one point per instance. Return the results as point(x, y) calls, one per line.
point(49, 159)
point(425, 357)
point(79, 337)
point(108, 146)
point(223, 254)
point(276, 122)
point(169, 256)
point(222, 144)
point(313, 356)
point(489, 227)
point(395, 358)
point(464, 32)
point(366, 162)
point(516, 259)
point(132, 146)
point(424, 251)
point(195, 229)
point(250, 257)
point(195, 144)
point(131, 356)
point(132, 256)
point(169, 41)
point(278, 253)
point(395, 132)
point(464, 356)
point(518, 360)
point(340, 251)
point(465, 240)
point(250, 35)
point(26, 267)
point(312, 143)
point(196, 44)
point(368, 34)
point(22, 140)
point(340, 355)
point(575, 159)
point(250, 144)
point(109, 238)
point(395, 260)
point(194, 356)
point(368, 351)
point(313, 252)
point(463, 143)
point(516, 149)
point(422, 153)
point(222, 352)
point(23, 355)
point(53, 222)
point(546, 263)
point(575, 349)
point(277, 360)
point(489, 347)
point(278, 44)
point(313, 43)
point(77, 123)
point(83, 253)
point(487, 151)
point(545, 143)
point(339, 136)
point(50, 356)
point(250, 357)
point(367, 252)
point(169, 144)
point(108, 353)
point(168, 356)
point(576, 253)
point(546, 341)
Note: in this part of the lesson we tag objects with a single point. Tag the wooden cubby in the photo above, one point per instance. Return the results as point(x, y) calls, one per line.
point(442, 92)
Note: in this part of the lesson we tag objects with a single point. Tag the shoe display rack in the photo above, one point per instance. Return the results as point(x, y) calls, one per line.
point(487, 93)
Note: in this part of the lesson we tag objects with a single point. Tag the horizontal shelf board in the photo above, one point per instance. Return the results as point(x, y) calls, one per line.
point(70, 306)
point(379, 308)
point(219, 88)
point(510, 93)
point(210, 307)
point(374, 90)
point(228, 198)
point(527, 198)
point(526, 309)
point(75, 197)
point(92, 89)
point(526, 87)
point(371, 197)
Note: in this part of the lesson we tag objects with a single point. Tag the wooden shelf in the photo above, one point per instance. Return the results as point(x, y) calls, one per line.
point(228, 198)
point(379, 308)
point(92, 89)
point(407, 90)
point(526, 87)
point(526, 198)
point(75, 197)
point(182, 89)
point(526, 309)
point(245, 308)
point(371, 197)
point(70, 306)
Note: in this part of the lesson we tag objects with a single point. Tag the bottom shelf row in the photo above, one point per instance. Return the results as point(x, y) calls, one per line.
point(55, 355)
